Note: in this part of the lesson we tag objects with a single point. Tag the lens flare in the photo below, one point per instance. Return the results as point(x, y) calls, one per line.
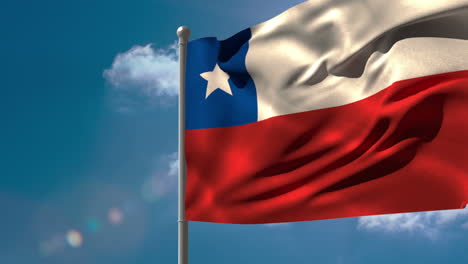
point(115, 216)
point(93, 225)
point(74, 238)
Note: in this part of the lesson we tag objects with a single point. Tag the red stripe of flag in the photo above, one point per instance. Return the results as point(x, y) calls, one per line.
point(403, 149)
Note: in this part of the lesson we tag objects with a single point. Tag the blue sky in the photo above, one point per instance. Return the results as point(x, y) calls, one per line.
point(88, 140)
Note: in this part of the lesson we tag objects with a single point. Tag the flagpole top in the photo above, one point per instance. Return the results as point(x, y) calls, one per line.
point(184, 33)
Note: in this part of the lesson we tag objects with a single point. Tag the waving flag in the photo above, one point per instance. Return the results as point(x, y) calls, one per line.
point(334, 108)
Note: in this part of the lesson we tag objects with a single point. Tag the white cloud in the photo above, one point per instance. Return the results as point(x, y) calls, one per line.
point(162, 182)
point(173, 164)
point(146, 71)
point(465, 225)
point(276, 225)
point(427, 223)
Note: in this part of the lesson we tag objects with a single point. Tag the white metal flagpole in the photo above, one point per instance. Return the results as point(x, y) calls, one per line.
point(184, 33)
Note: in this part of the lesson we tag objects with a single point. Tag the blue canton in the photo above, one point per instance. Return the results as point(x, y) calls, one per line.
point(219, 109)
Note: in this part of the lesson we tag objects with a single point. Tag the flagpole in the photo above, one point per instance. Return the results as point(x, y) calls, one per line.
point(184, 33)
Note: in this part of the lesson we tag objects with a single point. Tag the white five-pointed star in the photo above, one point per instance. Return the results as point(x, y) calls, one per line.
point(217, 79)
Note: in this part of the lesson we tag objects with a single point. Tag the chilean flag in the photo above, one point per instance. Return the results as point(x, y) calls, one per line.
point(334, 108)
